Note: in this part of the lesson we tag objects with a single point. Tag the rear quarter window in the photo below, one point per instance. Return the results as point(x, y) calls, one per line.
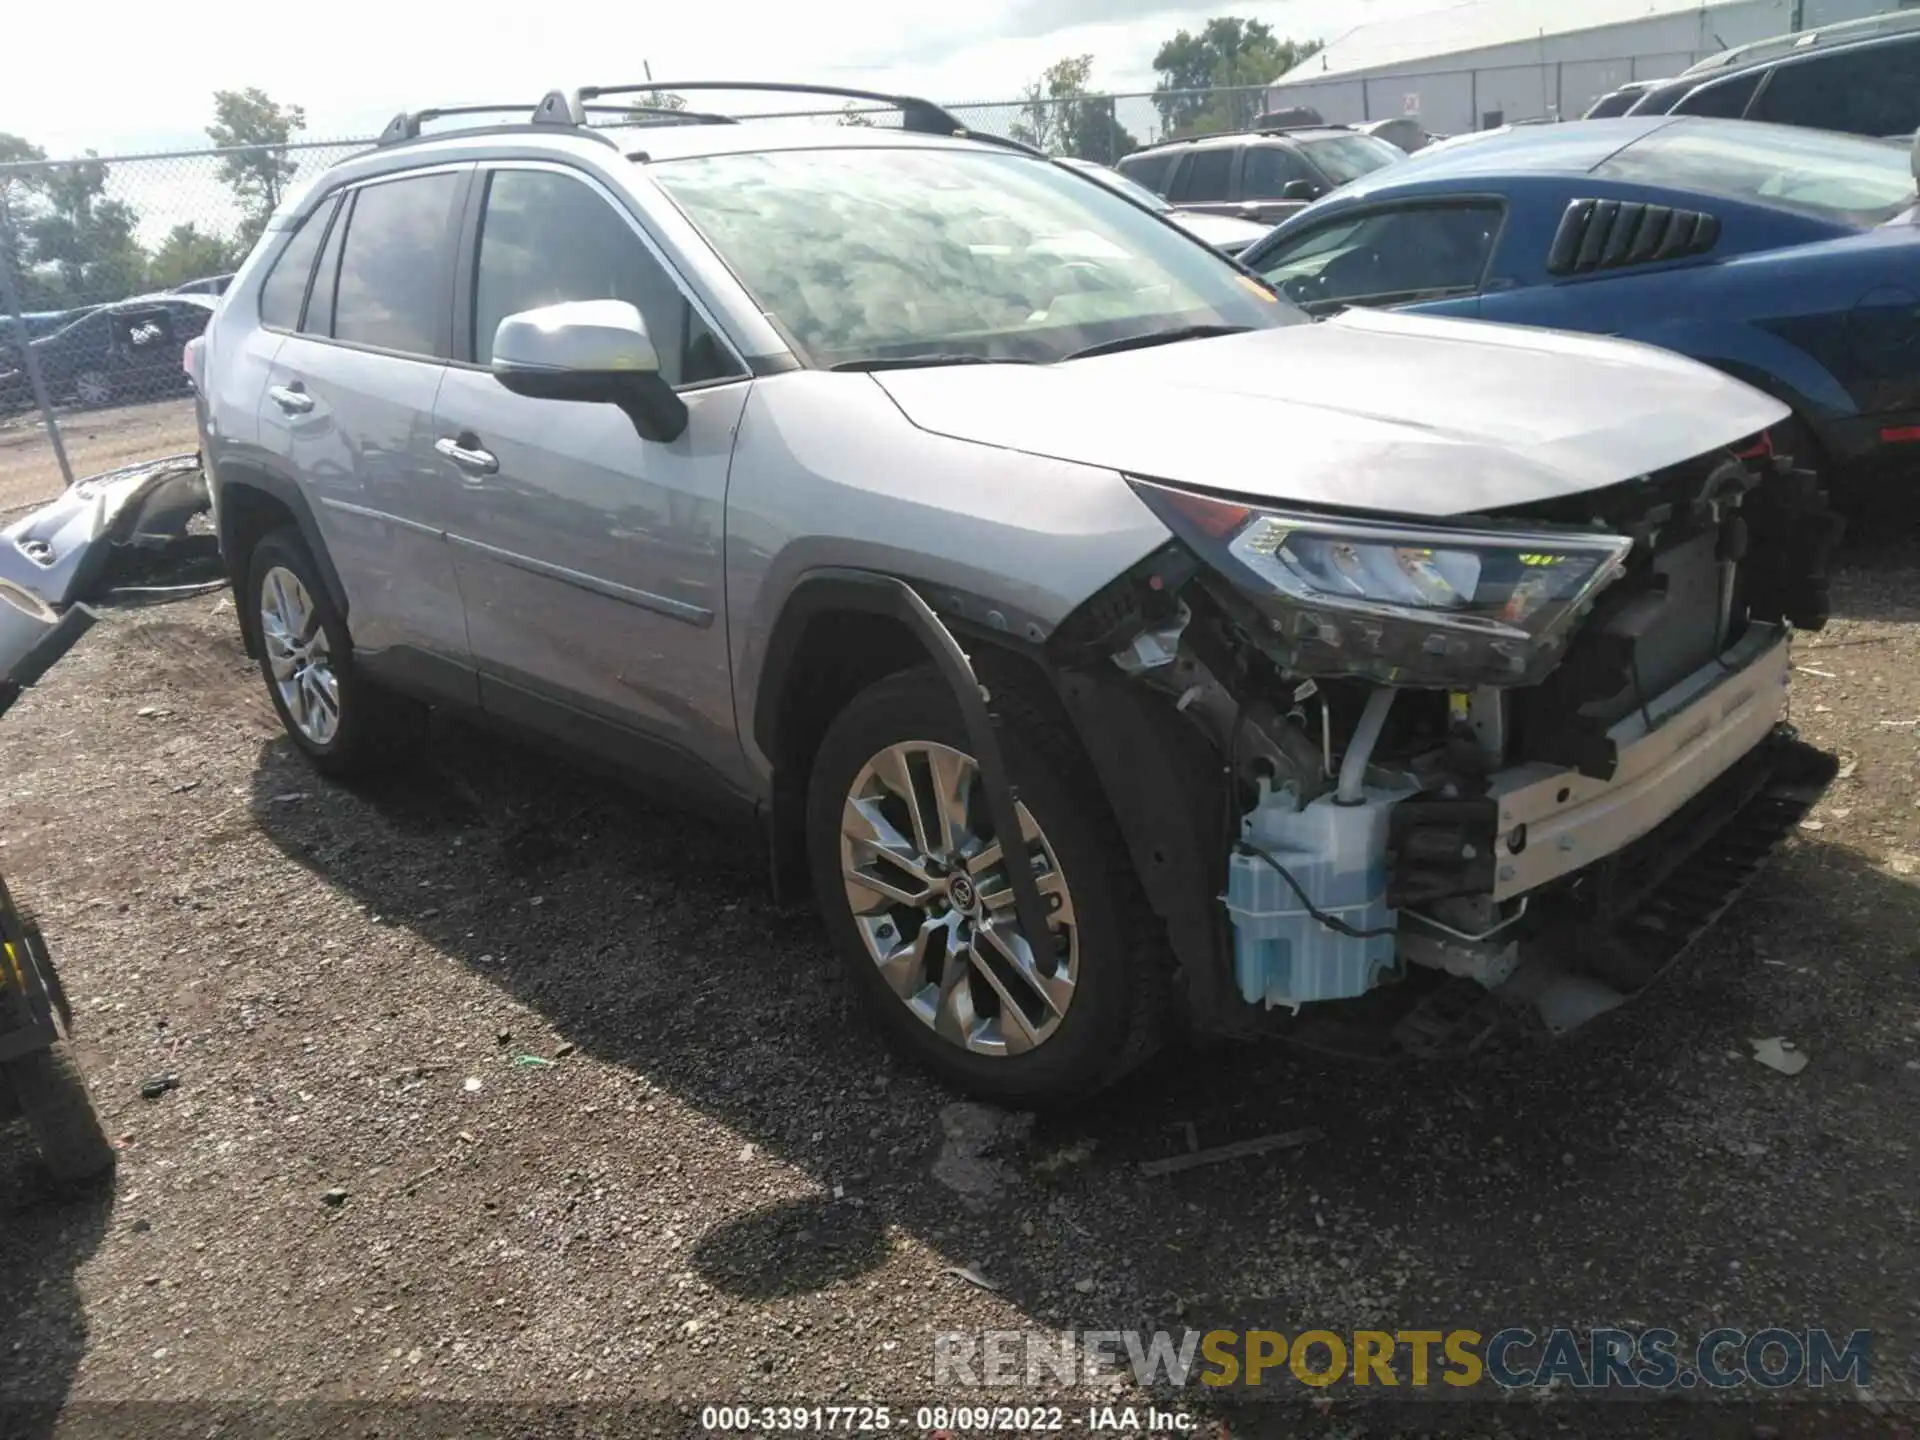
point(1148, 170)
point(285, 289)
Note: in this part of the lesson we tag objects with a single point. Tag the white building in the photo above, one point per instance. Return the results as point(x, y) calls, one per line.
point(1474, 64)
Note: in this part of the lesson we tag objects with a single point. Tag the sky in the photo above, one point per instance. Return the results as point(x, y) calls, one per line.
point(353, 63)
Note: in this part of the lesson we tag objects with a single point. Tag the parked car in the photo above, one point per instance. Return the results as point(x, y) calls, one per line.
point(207, 285)
point(1403, 132)
point(1862, 77)
point(1226, 233)
point(115, 354)
point(1786, 257)
point(1616, 103)
point(1024, 570)
point(1264, 175)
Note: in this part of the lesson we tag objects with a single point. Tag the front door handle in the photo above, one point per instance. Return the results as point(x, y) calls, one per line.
point(469, 458)
point(290, 398)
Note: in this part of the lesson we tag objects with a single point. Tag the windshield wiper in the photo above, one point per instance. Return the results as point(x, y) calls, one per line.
point(1158, 337)
point(916, 362)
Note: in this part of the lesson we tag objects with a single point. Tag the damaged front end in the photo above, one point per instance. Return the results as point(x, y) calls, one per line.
point(75, 546)
point(1394, 784)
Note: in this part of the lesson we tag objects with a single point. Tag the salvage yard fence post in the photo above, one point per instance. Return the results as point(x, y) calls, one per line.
point(17, 343)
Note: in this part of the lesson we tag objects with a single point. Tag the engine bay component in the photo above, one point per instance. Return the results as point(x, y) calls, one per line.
point(1307, 893)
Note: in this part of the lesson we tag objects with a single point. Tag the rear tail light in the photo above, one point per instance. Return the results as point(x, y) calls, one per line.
point(192, 359)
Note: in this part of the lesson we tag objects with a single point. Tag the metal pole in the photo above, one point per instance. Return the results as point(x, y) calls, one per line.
point(30, 362)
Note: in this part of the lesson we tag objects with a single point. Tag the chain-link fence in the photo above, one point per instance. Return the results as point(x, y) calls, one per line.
point(109, 265)
point(1449, 102)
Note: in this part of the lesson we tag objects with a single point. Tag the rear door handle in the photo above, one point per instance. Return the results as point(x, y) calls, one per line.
point(290, 398)
point(471, 459)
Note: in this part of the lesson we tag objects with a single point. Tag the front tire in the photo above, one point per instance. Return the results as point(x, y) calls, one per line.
point(341, 722)
point(909, 878)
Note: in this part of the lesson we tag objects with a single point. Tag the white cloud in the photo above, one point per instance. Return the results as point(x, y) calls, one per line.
point(352, 63)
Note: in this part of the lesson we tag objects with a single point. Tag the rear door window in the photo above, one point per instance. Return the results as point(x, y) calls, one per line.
point(1207, 176)
point(285, 289)
point(326, 277)
point(396, 269)
point(1871, 90)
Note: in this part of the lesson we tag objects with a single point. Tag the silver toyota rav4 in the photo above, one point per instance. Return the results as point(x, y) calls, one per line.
point(1116, 651)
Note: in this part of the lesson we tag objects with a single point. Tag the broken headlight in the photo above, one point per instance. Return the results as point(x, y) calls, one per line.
point(1406, 604)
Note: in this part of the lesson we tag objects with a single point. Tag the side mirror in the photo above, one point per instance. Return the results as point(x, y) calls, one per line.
point(1301, 190)
point(589, 350)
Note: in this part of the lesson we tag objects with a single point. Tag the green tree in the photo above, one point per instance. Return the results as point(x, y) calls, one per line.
point(1229, 54)
point(87, 238)
point(658, 100)
point(258, 130)
point(18, 190)
point(189, 253)
point(1061, 115)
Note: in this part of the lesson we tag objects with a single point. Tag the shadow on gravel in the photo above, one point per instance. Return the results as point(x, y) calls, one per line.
point(1538, 1185)
point(46, 1234)
point(1877, 572)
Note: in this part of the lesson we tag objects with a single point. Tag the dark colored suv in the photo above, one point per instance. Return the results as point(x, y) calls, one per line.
point(1863, 78)
point(1262, 175)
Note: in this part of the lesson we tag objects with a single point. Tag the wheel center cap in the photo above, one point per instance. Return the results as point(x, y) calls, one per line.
point(961, 892)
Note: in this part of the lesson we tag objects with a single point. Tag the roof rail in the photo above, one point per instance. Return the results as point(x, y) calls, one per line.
point(1846, 32)
point(650, 113)
point(556, 110)
point(1247, 130)
point(922, 117)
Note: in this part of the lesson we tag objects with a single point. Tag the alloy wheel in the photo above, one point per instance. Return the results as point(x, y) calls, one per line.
point(92, 387)
point(927, 883)
point(299, 656)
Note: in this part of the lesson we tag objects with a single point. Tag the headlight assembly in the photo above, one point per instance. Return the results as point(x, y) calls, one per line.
point(1401, 603)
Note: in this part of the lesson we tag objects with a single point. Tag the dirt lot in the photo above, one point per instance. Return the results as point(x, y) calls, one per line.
point(722, 1188)
point(96, 440)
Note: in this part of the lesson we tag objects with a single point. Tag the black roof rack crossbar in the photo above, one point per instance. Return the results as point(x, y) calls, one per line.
point(922, 117)
point(557, 109)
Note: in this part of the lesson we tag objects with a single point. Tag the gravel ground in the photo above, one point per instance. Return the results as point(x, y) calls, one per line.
point(607, 1129)
point(96, 440)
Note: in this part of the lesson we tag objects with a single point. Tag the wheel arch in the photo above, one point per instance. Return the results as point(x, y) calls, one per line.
point(838, 632)
point(251, 501)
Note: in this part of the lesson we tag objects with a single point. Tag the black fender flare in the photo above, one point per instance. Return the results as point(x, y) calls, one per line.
point(871, 592)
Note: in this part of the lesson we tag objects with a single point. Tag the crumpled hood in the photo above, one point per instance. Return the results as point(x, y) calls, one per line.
point(1397, 414)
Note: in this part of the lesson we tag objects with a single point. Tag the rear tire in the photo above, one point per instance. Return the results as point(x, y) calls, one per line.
point(1071, 1040)
point(51, 1092)
point(344, 724)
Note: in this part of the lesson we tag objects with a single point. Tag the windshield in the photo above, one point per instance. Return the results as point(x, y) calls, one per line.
point(888, 253)
point(1347, 157)
point(1832, 176)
